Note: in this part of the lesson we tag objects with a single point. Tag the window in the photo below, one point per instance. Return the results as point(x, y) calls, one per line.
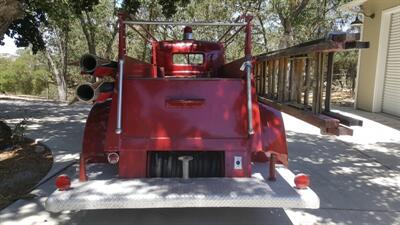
point(188, 58)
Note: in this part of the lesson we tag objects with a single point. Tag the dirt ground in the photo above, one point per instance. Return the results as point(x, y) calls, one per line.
point(22, 166)
point(342, 98)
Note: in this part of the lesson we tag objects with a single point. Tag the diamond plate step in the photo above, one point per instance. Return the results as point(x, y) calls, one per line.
point(256, 191)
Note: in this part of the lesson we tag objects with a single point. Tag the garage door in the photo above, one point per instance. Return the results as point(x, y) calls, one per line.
point(391, 91)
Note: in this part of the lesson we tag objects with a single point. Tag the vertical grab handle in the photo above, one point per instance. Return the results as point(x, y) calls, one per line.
point(247, 66)
point(118, 129)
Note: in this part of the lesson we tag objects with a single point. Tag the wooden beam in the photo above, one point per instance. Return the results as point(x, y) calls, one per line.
point(291, 76)
point(327, 125)
point(315, 83)
point(356, 45)
point(329, 75)
point(321, 82)
point(259, 67)
point(300, 80)
point(274, 79)
point(346, 120)
point(263, 74)
point(257, 78)
point(318, 83)
point(316, 120)
point(280, 81)
point(333, 42)
point(285, 79)
point(288, 86)
point(270, 79)
point(296, 76)
point(307, 81)
point(299, 106)
point(341, 130)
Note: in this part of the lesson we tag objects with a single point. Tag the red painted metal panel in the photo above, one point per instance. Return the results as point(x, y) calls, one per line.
point(222, 115)
point(218, 123)
point(137, 68)
point(132, 164)
point(104, 71)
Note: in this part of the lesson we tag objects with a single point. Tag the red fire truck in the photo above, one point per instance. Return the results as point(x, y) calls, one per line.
point(185, 130)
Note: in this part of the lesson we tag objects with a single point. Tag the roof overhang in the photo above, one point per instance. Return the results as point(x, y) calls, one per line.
point(351, 5)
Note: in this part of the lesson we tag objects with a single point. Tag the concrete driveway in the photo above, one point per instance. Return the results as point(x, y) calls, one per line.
point(354, 186)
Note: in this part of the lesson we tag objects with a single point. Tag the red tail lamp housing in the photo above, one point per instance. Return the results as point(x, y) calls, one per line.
point(113, 158)
point(63, 182)
point(302, 181)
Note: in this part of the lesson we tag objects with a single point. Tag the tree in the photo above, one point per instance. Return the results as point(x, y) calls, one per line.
point(45, 20)
point(302, 20)
point(100, 26)
point(103, 20)
point(288, 12)
point(10, 10)
point(60, 31)
point(22, 21)
point(23, 75)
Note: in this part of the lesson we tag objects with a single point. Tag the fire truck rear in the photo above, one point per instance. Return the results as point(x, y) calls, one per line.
point(185, 130)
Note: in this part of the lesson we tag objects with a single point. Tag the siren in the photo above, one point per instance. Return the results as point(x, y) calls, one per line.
point(187, 33)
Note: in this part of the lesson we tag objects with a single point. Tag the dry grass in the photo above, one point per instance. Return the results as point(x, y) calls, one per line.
point(22, 166)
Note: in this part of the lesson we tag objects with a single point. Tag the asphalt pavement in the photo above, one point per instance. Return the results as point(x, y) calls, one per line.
point(357, 181)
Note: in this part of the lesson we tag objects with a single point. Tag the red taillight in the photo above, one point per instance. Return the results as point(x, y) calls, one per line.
point(302, 181)
point(113, 158)
point(63, 182)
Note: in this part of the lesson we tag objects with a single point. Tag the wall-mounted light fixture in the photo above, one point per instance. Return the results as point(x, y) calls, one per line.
point(356, 23)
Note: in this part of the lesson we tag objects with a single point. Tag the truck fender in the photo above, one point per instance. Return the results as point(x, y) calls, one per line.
point(95, 132)
point(273, 135)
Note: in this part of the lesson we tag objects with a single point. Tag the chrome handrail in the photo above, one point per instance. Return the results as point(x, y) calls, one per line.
point(118, 129)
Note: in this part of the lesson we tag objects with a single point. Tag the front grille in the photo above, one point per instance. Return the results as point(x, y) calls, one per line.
point(204, 164)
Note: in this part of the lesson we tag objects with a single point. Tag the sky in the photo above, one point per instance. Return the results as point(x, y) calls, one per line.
point(9, 46)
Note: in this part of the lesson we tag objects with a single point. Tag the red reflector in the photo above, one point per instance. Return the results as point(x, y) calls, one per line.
point(113, 158)
point(302, 181)
point(187, 29)
point(63, 182)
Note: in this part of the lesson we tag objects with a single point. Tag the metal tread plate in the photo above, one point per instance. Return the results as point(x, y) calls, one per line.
point(255, 192)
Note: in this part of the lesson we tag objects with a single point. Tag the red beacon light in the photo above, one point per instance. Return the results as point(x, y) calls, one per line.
point(187, 33)
point(302, 181)
point(63, 182)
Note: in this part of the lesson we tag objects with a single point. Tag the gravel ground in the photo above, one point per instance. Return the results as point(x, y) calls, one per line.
point(56, 125)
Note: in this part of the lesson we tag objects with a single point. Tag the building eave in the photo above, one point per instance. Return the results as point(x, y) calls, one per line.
point(351, 5)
